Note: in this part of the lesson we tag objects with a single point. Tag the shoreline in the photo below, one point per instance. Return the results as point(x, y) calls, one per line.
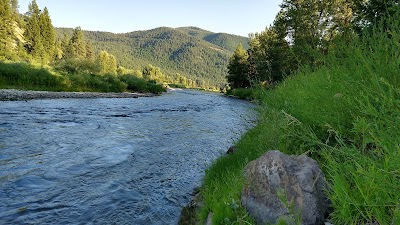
point(19, 95)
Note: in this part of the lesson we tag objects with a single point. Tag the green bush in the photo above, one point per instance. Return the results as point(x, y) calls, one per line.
point(70, 75)
point(25, 76)
point(136, 84)
point(77, 66)
point(97, 83)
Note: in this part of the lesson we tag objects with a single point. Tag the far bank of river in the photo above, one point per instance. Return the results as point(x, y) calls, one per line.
point(14, 95)
point(108, 160)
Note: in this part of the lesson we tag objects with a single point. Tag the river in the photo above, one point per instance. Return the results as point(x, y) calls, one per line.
point(111, 161)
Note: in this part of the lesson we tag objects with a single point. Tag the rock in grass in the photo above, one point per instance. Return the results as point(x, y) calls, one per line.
point(280, 186)
point(231, 150)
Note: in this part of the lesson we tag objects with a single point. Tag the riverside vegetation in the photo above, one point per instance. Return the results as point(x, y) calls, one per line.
point(34, 77)
point(31, 58)
point(342, 108)
point(190, 57)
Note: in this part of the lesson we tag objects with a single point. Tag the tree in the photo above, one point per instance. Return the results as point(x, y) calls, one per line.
point(151, 72)
point(238, 69)
point(14, 9)
point(371, 12)
point(311, 25)
point(89, 50)
point(6, 28)
point(64, 46)
point(34, 45)
point(58, 50)
point(76, 46)
point(107, 63)
point(47, 35)
point(270, 57)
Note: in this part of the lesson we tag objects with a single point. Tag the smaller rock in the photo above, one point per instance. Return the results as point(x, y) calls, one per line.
point(209, 219)
point(231, 150)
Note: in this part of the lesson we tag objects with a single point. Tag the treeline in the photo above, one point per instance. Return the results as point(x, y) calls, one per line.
point(303, 32)
point(31, 37)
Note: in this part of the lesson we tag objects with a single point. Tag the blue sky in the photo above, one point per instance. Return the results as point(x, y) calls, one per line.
point(239, 17)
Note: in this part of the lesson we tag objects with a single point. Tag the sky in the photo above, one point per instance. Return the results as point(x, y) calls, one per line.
point(239, 17)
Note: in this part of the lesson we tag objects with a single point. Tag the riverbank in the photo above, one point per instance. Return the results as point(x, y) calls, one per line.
point(19, 75)
point(346, 116)
point(15, 95)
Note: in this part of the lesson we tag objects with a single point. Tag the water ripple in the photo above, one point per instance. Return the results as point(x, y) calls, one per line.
point(111, 161)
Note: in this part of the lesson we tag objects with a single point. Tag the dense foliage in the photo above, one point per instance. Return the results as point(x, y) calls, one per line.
point(303, 32)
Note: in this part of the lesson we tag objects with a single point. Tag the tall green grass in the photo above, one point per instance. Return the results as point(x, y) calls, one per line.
point(31, 77)
point(346, 115)
point(18, 75)
point(138, 84)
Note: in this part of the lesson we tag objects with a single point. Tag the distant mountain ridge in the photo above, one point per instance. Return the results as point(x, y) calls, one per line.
point(193, 52)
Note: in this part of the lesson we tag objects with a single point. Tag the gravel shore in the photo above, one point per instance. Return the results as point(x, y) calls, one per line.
point(15, 95)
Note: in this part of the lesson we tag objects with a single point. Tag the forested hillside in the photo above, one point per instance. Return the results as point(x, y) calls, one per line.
point(189, 51)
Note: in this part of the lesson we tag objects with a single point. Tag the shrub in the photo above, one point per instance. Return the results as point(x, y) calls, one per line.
point(77, 66)
point(136, 84)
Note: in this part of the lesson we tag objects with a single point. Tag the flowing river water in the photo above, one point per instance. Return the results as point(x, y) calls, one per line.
point(111, 161)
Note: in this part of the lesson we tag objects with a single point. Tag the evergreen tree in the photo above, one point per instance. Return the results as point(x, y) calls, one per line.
point(77, 45)
point(64, 46)
point(47, 35)
point(89, 50)
point(6, 28)
point(58, 50)
point(34, 45)
point(14, 9)
point(238, 69)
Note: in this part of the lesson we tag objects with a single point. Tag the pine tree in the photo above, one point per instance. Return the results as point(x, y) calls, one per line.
point(238, 69)
point(34, 45)
point(64, 46)
point(76, 46)
point(5, 27)
point(14, 9)
point(47, 35)
point(58, 50)
point(89, 50)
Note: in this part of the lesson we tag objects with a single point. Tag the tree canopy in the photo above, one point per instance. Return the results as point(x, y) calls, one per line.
point(302, 32)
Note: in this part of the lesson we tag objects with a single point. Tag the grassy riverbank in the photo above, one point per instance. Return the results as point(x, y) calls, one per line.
point(31, 77)
point(346, 115)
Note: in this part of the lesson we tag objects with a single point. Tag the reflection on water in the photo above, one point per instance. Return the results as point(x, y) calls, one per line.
point(111, 161)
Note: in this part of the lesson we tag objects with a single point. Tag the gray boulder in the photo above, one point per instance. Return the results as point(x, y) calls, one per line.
point(275, 178)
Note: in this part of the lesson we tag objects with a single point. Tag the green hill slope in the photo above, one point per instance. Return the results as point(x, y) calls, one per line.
point(223, 40)
point(195, 53)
